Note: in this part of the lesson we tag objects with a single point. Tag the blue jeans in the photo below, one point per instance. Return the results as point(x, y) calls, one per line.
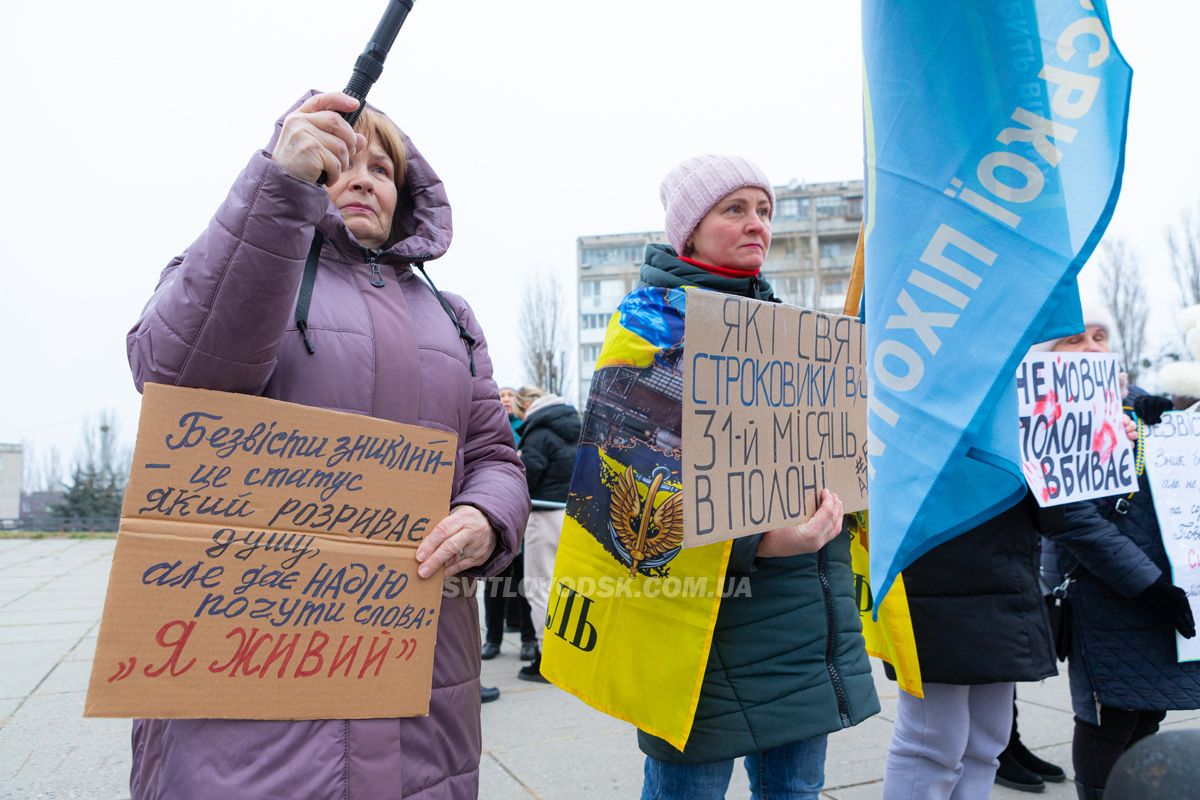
point(793, 771)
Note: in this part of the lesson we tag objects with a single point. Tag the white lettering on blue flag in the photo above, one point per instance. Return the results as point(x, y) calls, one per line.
point(995, 134)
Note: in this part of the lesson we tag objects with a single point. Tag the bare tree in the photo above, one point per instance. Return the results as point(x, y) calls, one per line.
point(42, 470)
point(1124, 295)
point(544, 332)
point(1184, 245)
point(98, 476)
point(100, 448)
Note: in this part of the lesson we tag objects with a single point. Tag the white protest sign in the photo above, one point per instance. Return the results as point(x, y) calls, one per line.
point(1072, 430)
point(1173, 466)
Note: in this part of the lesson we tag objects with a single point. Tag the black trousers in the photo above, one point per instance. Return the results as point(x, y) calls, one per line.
point(1096, 748)
point(500, 595)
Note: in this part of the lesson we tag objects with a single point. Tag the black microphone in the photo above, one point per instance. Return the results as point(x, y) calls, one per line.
point(369, 66)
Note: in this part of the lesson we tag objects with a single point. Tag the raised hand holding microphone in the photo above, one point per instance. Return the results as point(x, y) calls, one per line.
point(317, 140)
point(369, 66)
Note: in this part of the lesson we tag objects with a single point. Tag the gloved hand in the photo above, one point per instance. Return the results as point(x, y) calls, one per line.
point(1171, 603)
point(1150, 407)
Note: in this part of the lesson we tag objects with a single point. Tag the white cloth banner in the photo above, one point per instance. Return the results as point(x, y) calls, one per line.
point(1173, 465)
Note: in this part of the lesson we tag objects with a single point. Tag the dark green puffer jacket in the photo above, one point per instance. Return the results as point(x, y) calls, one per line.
point(787, 660)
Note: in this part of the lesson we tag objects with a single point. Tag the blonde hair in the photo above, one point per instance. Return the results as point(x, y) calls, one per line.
point(526, 396)
point(375, 126)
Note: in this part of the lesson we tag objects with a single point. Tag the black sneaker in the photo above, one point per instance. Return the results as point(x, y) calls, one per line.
point(490, 650)
point(1015, 776)
point(1051, 773)
point(532, 671)
point(488, 693)
point(529, 651)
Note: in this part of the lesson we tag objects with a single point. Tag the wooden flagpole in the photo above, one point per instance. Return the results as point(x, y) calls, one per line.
point(854, 291)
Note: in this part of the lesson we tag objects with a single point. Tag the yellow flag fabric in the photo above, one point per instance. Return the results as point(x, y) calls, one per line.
point(631, 614)
point(891, 636)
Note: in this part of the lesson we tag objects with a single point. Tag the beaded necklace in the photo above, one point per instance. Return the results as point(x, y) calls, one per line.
point(1139, 459)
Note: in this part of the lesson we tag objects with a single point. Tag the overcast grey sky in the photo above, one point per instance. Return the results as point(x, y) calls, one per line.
point(128, 121)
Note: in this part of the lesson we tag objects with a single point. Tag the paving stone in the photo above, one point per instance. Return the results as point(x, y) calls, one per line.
point(67, 676)
point(495, 781)
point(8, 705)
point(18, 585)
point(47, 749)
point(871, 790)
point(59, 631)
point(90, 603)
point(45, 616)
point(85, 649)
point(853, 755)
point(27, 665)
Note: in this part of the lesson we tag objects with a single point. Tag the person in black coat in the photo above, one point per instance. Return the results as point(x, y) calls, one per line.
point(549, 439)
point(980, 625)
point(1124, 610)
point(503, 604)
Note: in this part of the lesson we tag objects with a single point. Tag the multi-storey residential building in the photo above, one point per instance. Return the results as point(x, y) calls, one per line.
point(10, 481)
point(813, 236)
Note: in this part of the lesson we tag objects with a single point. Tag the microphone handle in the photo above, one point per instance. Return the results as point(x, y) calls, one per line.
point(369, 66)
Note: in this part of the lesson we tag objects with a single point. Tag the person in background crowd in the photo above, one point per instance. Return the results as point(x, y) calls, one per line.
point(372, 338)
point(549, 439)
point(980, 626)
point(515, 612)
point(1181, 379)
point(1125, 611)
point(1020, 768)
point(787, 664)
point(508, 399)
point(523, 399)
point(503, 603)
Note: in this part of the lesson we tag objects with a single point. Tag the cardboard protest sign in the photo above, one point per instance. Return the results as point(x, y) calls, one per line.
point(265, 564)
point(774, 410)
point(1072, 430)
point(1173, 467)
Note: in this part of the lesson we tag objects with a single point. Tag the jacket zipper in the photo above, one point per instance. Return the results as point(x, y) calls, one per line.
point(835, 677)
point(373, 260)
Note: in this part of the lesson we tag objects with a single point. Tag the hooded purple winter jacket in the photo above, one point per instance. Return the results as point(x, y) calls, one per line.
point(222, 318)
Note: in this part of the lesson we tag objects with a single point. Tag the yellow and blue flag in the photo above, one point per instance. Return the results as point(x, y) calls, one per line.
point(631, 613)
point(994, 137)
point(887, 631)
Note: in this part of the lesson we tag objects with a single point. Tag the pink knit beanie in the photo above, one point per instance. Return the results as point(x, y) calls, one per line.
point(692, 188)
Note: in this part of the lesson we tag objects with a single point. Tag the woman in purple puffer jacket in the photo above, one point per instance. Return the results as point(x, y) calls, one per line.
point(367, 336)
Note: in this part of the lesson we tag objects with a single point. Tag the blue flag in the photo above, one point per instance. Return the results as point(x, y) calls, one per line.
point(995, 136)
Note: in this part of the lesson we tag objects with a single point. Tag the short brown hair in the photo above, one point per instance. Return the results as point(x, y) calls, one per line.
point(375, 125)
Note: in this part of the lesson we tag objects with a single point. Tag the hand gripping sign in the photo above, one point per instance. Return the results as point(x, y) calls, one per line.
point(774, 410)
point(1072, 429)
point(265, 566)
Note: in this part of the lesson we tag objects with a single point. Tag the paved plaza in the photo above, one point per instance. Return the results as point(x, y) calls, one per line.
point(538, 742)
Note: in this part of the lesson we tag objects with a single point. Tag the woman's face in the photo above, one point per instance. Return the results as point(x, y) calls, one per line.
point(507, 397)
point(736, 232)
point(1094, 339)
point(365, 195)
